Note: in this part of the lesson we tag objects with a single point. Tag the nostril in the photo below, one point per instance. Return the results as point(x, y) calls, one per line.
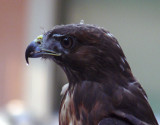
point(39, 42)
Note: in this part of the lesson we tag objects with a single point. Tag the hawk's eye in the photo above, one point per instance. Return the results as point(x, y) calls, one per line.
point(67, 42)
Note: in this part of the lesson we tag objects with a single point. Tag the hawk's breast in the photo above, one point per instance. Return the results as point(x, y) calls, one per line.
point(67, 111)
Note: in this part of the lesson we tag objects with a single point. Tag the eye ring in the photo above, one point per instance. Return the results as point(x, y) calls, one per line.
point(67, 42)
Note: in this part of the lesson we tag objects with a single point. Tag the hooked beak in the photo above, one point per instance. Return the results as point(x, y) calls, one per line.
point(35, 49)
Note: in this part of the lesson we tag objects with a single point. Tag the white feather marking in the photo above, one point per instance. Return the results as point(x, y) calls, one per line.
point(109, 34)
point(118, 45)
point(57, 35)
point(65, 105)
point(64, 88)
point(132, 83)
point(82, 22)
point(67, 100)
point(121, 66)
point(127, 91)
point(122, 60)
point(70, 123)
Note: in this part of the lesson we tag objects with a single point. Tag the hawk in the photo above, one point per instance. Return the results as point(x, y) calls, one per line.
point(102, 89)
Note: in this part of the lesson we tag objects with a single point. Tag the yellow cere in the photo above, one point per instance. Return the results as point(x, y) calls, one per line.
point(39, 38)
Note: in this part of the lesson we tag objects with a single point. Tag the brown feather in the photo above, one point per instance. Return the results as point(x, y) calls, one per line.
point(101, 87)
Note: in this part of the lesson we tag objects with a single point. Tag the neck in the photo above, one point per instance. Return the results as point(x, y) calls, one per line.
point(99, 75)
point(99, 69)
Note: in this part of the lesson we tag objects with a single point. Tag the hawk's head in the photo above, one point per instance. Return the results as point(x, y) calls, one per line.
point(85, 52)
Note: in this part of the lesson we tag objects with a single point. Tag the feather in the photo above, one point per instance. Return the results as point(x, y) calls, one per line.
point(113, 121)
point(102, 89)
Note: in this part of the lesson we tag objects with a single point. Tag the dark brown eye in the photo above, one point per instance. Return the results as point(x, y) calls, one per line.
point(67, 42)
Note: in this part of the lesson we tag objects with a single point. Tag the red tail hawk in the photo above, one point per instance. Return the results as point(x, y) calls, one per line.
point(102, 89)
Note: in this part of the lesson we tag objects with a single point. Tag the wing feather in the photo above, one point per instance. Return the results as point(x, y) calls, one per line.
point(113, 121)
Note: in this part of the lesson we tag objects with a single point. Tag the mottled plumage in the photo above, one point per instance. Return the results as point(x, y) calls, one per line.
point(102, 89)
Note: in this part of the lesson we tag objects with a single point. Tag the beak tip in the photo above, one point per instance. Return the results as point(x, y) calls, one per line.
point(26, 58)
point(27, 62)
point(27, 55)
point(30, 48)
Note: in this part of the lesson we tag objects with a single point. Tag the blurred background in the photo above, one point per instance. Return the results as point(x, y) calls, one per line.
point(30, 95)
